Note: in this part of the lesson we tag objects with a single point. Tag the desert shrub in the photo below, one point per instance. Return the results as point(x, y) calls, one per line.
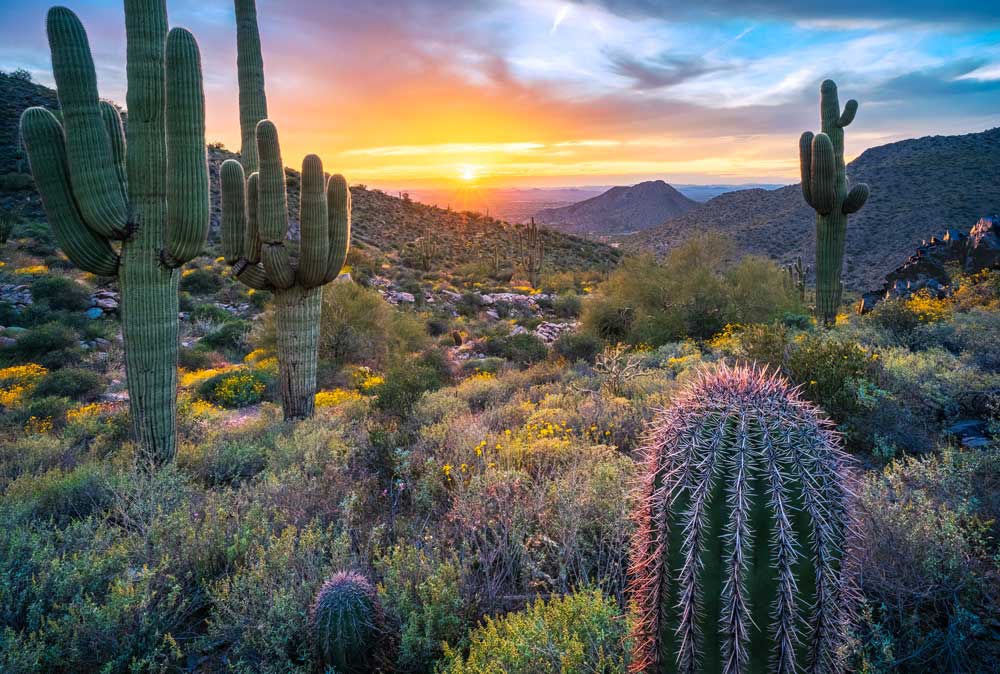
point(194, 358)
point(236, 388)
point(60, 495)
point(523, 348)
point(211, 313)
point(38, 237)
point(581, 632)
point(937, 384)
point(200, 281)
point(423, 591)
point(976, 335)
point(834, 373)
point(230, 335)
point(687, 295)
point(492, 365)
point(574, 346)
point(226, 461)
point(404, 384)
point(929, 563)
point(469, 305)
point(567, 305)
point(358, 326)
point(52, 344)
point(70, 382)
point(60, 293)
point(42, 413)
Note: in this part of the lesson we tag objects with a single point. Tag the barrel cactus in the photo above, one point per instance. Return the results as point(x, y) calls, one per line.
point(138, 209)
point(825, 188)
point(740, 560)
point(348, 626)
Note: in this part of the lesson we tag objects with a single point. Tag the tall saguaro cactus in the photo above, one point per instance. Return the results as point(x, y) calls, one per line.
point(532, 252)
point(739, 561)
point(149, 193)
point(250, 74)
point(255, 224)
point(825, 188)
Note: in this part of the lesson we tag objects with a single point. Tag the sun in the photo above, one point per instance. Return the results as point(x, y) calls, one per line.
point(467, 173)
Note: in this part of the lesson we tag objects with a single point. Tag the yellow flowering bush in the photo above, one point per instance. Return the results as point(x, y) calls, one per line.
point(928, 309)
point(32, 270)
point(193, 378)
point(335, 397)
point(234, 389)
point(17, 381)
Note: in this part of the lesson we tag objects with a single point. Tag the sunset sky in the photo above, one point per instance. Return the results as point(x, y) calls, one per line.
point(414, 93)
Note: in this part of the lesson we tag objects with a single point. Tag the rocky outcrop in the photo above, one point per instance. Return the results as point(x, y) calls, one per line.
point(927, 269)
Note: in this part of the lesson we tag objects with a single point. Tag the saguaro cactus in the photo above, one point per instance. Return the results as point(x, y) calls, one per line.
point(532, 252)
point(825, 188)
point(150, 193)
point(255, 223)
point(348, 625)
point(738, 563)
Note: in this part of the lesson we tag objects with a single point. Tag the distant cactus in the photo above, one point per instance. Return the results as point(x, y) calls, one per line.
point(532, 250)
point(348, 626)
point(825, 188)
point(151, 193)
point(255, 226)
point(739, 563)
point(797, 273)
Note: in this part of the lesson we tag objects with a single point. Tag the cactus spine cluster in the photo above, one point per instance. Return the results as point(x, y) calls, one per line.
point(149, 193)
point(255, 228)
point(348, 626)
point(532, 252)
point(739, 561)
point(825, 188)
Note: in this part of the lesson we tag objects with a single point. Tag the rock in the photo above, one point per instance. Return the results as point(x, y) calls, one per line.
point(492, 314)
point(7, 342)
point(927, 268)
point(519, 330)
point(94, 313)
point(550, 332)
point(450, 296)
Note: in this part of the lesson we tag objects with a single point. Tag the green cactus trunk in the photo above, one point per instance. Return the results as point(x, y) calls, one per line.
point(150, 193)
point(825, 188)
point(297, 312)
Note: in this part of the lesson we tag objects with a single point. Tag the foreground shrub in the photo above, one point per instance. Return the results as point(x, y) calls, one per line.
point(931, 565)
point(236, 388)
point(71, 382)
point(574, 346)
point(581, 632)
point(52, 344)
point(59, 293)
point(523, 348)
point(404, 384)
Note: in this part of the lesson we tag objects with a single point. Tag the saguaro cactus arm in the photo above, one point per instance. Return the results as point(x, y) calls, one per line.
point(45, 144)
point(314, 228)
point(89, 155)
point(236, 219)
point(187, 159)
point(338, 199)
point(250, 73)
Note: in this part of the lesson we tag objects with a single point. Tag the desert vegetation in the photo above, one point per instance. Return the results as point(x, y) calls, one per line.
point(442, 443)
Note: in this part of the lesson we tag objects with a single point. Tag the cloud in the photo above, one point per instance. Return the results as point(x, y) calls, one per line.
point(659, 73)
point(961, 11)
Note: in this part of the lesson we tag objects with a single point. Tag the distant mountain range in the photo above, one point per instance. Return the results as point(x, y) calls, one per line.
point(620, 210)
point(918, 187)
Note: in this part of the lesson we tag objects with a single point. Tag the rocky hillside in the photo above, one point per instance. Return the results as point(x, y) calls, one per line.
point(919, 187)
point(395, 226)
point(620, 210)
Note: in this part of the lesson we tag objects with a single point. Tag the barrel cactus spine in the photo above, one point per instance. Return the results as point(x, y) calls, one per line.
point(149, 193)
point(348, 626)
point(825, 188)
point(255, 224)
point(741, 559)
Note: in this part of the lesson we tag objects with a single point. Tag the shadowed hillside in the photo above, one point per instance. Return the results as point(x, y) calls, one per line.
point(620, 210)
point(918, 187)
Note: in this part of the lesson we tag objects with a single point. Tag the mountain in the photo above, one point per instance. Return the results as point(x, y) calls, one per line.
point(705, 192)
point(620, 210)
point(392, 225)
point(918, 187)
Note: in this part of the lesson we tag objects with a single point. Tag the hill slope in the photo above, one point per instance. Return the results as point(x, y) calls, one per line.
point(919, 187)
point(620, 210)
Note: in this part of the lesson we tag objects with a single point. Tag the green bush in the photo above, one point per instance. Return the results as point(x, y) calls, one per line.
point(689, 294)
point(231, 335)
point(359, 327)
point(567, 305)
point(200, 281)
point(60, 293)
point(211, 313)
point(227, 461)
point(70, 382)
point(523, 349)
point(404, 384)
point(582, 632)
point(424, 593)
point(60, 495)
point(574, 346)
point(235, 389)
point(930, 564)
point(52, 344)
point(194, 358)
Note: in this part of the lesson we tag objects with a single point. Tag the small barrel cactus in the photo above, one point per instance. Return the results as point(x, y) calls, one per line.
point(825, 188)
point(348, 626)
point(740, 561)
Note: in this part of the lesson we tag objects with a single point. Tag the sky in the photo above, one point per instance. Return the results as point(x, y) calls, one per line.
point(428, 93)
